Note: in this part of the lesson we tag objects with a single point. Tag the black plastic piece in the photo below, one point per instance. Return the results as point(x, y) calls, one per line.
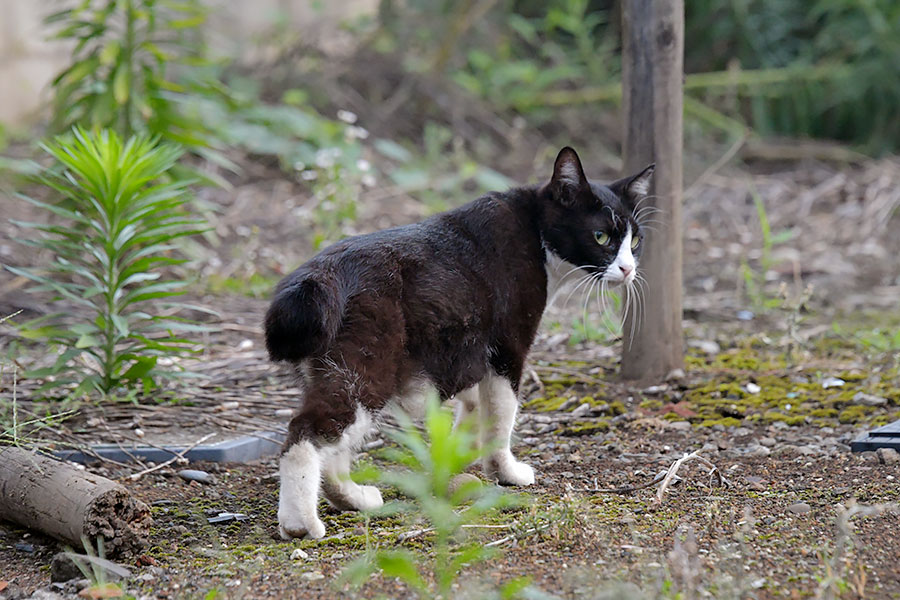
point(883, 437)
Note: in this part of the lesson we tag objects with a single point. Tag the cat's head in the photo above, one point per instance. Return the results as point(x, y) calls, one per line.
point(591, 225)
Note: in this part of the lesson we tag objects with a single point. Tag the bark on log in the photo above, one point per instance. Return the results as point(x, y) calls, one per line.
point(57, 499)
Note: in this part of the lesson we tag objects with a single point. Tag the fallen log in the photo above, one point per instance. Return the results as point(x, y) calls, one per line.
point(59, 500)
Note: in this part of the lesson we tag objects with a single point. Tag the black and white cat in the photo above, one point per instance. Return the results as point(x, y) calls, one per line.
point(450, 304)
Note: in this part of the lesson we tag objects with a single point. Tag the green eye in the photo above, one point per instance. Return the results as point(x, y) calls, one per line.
point(602, 238)
point(635, 241)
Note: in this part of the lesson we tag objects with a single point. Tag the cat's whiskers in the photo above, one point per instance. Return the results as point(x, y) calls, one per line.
point(587, 277)
point(587, 296)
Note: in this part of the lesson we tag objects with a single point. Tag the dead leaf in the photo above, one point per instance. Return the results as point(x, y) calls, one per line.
point(107, 590)
point(3, 585)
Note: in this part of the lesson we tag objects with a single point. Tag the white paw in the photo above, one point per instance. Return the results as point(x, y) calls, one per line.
point(508, 471)
point(516, 473)
point(369, 498)
point(289, 528)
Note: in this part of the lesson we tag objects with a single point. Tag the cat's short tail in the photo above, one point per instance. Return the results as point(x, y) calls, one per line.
point(303, 318)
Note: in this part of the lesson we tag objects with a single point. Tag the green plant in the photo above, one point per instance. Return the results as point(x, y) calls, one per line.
point(121, 75)
point(118, 221)
point(432, 462)
point(755, 279)
point(459, 177)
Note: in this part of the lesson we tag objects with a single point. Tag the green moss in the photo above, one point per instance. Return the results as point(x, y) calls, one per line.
point(652, 405)
point(854, 414)
point(726, 422)
point(771, 416)
point(617, 407)
point(545, 404)
point(586, 428)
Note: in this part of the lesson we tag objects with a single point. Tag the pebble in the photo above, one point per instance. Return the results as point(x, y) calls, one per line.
point(299, 554)
point(198, 476)
point(831, 382)
point(768, 442)
point(679, 426)
point(800, 508)
point(462, 479)
point(752, 388)
point(582, 410)
point(23, 547)
point(742, 431)
point(756, 483)
point(869, 399)
point(758, 451)
point(888, 456)
point(283, 413)
point(705, 346)
point(312, 576)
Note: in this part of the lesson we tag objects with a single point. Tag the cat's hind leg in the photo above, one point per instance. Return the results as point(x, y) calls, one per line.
point(340, 491)
point(499, 405)
point(467, 402)
point(300, 471)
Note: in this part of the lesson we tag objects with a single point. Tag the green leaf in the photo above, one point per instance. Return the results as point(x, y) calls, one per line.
point(87, 341)
point(400, 564)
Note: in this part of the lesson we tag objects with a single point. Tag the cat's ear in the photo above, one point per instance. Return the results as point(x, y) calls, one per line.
point(634, 187)
point(568, 180)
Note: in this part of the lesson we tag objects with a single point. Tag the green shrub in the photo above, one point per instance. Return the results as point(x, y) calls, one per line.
point(115, 224)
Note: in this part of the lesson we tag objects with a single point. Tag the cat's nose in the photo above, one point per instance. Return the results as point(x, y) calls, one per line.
point(626, 271)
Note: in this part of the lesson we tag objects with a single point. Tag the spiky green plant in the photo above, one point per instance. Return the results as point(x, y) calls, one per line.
point(111, 234)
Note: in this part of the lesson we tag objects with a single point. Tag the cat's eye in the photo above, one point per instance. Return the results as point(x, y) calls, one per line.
point(602, 238)
point(635, 241)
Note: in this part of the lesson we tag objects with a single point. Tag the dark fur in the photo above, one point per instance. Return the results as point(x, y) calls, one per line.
point(445, 299)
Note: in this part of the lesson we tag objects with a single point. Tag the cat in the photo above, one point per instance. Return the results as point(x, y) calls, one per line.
point(450, 304)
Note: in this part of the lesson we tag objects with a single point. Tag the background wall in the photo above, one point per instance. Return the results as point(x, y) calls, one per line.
point(28, 61)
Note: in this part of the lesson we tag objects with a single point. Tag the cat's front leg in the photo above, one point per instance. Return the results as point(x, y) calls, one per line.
point(300, 470)
point(499, 405)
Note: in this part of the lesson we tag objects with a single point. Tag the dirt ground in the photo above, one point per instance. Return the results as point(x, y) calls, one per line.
point(758, 396)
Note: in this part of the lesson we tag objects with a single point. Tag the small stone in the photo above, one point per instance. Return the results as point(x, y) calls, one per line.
point(800, 508)
point(768, 442)
point(312, 576)
point(568, 404)
point(458, 481)
point(756, 483)
point(655, 389)
point(830, 382)
point(752, 388)
point(758, 451)
point(582, 410)
point(745, 315)
point(868, 399)
point(283, 413)
point(299, 554)
point(888, 456)
point(705, 346)
point(780, 425)
point(675, 375)
point(740, 431)
point(64, 567)
point(679, 426)
point(45, 595)
point(24, 547)
point(198, 476)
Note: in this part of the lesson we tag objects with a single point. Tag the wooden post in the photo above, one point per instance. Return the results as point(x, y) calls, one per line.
point(652, 72)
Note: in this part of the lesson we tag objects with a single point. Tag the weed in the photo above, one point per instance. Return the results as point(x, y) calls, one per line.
point(754, 280)
point(433, 460)
point(118, 226)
